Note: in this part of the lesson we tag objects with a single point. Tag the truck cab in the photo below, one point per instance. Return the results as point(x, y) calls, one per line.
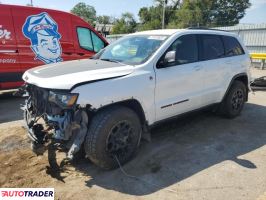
point(31, 37)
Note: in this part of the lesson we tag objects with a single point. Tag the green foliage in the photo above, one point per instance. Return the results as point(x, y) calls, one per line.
point(104, 19)
point(190, 14)
point(178, 14)
point(228, 12)
point(185, 13)
point(126, 24)
point(86, 12)
point(151, 17)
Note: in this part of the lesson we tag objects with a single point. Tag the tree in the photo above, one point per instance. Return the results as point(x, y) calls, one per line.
point(189, 14)
point(104, 19)
point(151, 17)
point(86, 12)
point(126, 24)
point(210, 13)
point(228, 12)
point(181, 14)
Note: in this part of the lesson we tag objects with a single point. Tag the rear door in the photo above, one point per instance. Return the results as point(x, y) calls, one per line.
point(179, 84)
point(10, 71)
point(215, 69)
point(235, 55)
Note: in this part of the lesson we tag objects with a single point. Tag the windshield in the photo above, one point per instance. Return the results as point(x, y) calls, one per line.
point(132, 50)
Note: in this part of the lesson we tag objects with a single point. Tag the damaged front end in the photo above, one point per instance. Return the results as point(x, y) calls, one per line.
point(54, 115)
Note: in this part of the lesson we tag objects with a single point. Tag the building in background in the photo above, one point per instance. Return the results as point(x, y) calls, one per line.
point(253, 36)
point(104, 29)
point(112, 38)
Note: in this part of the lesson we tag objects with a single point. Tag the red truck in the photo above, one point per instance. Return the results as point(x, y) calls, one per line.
point(31, 37)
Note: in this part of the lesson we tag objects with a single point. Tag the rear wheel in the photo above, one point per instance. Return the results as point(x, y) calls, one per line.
point(233, 103)
point(114, 131)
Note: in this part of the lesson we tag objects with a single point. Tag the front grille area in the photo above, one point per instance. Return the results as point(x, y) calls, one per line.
point(39, 99)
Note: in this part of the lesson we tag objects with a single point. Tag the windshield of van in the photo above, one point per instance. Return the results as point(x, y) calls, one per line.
point(132, 50)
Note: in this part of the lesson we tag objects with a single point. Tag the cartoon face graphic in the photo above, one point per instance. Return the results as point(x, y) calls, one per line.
point(42, 31)
point(47, 47)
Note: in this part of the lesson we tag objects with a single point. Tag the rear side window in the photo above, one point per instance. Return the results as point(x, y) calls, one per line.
point(97, 42)
point(212, 47)
point(84, 37)
point(232, 46)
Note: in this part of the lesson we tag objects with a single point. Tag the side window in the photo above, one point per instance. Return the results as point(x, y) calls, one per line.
point(84, 36)
point(97, 42)
point(232, 46)
point(183, 51)
point(212, 47)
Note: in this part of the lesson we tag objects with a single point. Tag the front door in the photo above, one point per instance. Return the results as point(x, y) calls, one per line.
point(179, 82)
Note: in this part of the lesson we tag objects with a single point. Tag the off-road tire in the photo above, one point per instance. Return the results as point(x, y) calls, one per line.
point(101, 128)
point(234, 101)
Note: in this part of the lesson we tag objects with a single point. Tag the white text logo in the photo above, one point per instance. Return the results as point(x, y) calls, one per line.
point(4, 33)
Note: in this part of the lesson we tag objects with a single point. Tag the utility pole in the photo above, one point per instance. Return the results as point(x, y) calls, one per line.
point(31, 2)
point(163, 21)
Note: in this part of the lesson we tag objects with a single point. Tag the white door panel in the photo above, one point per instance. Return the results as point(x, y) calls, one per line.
point(216, 74)
point(178, 90)
point(216, 68)
point(180, 84)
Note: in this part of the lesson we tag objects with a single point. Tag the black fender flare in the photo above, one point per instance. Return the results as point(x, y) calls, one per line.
point(237, 77)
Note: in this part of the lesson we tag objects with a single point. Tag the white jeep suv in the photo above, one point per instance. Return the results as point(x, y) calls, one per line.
point(105, 104)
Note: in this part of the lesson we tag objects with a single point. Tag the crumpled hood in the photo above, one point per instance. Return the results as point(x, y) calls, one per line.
point(65, 75)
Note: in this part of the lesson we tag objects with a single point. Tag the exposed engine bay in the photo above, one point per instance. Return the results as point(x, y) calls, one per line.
point(52, 115)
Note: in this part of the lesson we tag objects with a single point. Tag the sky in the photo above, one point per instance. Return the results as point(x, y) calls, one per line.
point(255, 14)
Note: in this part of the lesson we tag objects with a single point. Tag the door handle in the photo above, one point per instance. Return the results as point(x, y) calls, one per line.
point(197, 67)
point(81, 54)
point(9, 51)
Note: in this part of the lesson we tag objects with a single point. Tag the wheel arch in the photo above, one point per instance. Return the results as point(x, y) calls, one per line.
point(243, 77)
point(132, 104)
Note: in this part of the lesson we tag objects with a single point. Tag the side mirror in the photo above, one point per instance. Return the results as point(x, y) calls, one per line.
point(168, 59)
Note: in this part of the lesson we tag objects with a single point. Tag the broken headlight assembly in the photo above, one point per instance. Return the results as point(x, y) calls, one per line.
point(63, 100)
point(53, 117)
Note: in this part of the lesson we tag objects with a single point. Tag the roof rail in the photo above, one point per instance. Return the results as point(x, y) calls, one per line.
point(204, 28)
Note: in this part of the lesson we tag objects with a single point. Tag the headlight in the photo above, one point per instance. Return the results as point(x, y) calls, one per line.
point(62, 99)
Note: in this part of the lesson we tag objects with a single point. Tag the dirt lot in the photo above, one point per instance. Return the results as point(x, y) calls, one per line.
point(201, 156)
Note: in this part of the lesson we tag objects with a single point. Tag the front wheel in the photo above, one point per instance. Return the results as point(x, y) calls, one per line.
point(114, 132)
point(234, 101)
